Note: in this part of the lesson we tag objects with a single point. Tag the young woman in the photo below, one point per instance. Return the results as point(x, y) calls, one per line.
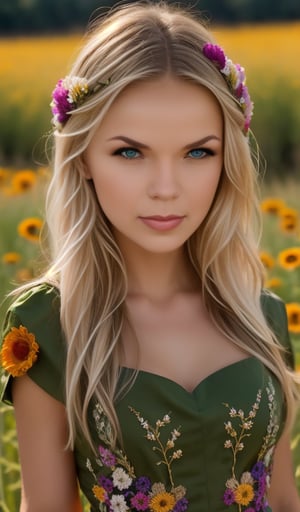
point(148, 364)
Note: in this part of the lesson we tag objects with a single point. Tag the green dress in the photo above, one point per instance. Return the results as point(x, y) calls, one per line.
point(209, 450)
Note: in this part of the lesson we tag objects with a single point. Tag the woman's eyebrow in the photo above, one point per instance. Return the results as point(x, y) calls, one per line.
point(136, 143)
point(130, 141)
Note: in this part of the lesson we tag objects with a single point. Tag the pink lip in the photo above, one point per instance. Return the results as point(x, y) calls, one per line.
point(162, 223)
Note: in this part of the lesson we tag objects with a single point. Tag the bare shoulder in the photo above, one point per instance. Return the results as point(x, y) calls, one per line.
point(283, 493)
point(48, 470)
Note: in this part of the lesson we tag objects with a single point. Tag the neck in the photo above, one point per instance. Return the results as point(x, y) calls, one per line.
point(159, 277)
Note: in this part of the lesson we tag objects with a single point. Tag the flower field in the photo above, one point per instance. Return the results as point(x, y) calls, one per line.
point(28, 73)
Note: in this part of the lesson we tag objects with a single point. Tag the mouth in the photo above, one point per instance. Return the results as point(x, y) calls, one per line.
point(162, 222)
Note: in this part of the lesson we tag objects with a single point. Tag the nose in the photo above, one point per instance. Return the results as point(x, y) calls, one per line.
point(163, 182)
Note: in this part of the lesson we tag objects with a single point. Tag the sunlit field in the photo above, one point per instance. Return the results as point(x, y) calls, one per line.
point(29, 69)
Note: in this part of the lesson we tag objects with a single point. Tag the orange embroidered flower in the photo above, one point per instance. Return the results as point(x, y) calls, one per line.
point(244, 494)
point(162, 502)
point(99, 493)
point(19, 351)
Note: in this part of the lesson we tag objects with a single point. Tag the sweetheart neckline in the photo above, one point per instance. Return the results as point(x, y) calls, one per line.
point(202, 382)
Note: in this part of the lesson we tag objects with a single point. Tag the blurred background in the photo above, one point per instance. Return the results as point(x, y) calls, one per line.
point(38, 40)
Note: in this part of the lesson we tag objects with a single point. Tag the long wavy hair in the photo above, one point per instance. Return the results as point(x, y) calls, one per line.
point(132, 43)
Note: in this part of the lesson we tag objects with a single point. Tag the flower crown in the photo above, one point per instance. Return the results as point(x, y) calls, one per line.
point(234, 75)
point(71, 91)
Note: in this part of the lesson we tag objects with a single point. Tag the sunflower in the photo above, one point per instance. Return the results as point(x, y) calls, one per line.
point(23, 181)
point(293, 315)
point(289, 258)
point(272, 205)
point(289, 214)
point(162, 502)
point(11, 258)
point(23, 275)
point(244, 494)
point(289, 225)
point(19, 351)
point(273, 282)
point(30, 228)
point(266, 259)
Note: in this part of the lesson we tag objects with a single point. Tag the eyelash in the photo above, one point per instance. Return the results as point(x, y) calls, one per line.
point(120, 152)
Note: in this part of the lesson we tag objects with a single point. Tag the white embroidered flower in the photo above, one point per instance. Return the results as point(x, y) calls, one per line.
point(232, 483)
point(177, 454)
point(121, 479)
point(118, 503)
point(232, 412)
point(247, 425)
point(247, 478)
point(228, 444)
point(166, 418)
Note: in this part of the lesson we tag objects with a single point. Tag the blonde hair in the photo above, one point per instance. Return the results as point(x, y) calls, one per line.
point(139, 42)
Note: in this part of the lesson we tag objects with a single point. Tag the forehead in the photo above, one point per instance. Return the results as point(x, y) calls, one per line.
point(162, 105)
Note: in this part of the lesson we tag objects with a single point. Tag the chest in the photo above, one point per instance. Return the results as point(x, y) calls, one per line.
point(182, 344)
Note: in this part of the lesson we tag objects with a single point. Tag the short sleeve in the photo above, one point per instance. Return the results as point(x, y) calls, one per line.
point(275, 313)
point(38, 310)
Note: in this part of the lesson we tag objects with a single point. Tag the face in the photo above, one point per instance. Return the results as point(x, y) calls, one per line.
point(156, 161)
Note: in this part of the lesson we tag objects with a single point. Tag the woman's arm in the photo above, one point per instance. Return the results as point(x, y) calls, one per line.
point(283, 495)
point(49, 482)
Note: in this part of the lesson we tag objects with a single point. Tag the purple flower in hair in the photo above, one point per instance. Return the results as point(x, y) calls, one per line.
point(215, 53)
point(234, 75)
point(67, 95)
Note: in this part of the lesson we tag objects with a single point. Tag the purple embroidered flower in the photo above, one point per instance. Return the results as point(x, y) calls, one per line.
point(140, 501)
point(181, 505)
point(107, 457)
point(106, 483)
point(229, 497)
point(250, 509)
point(258, 470)
point(143, 484)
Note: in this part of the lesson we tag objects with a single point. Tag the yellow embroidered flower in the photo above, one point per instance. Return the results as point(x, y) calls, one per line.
point(30, 228)
point(162, 502)
point(11, 258)
point(266, 259)
point(99, 493)
point(289, 258)
point(293, 315)
point(23, 181)
point(244, 494)
point(272, 205)
point(19, 351)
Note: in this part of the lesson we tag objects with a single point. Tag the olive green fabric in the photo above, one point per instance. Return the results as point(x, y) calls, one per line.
point(239, 403)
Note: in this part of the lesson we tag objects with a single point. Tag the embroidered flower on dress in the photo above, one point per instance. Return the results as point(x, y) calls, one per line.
point(19, 351)
point(121, 490)
point(250, 490)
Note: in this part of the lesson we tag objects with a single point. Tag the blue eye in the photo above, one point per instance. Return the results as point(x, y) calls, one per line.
point(197, 153)
point(128, 153)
